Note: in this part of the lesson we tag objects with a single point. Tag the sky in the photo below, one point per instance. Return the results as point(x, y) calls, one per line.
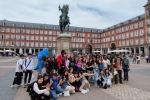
point(98, 14)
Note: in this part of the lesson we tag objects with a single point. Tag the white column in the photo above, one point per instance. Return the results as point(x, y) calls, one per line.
point(145, 50)
point(25, 51)
point(14, 50)
point(139, 50)
point(34, 51)
point(134, 50)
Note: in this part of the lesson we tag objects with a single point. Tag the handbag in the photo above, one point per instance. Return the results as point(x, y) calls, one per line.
point(108, 82)
point(115, 72)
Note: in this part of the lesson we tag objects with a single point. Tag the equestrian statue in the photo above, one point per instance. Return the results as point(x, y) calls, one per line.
point(64, 18)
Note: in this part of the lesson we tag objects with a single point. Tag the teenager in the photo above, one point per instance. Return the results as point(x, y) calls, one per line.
point(79, 64)
point(109, 77)
point(96, 70)
point(39, 93)
point(55, 87)
point(28, 69)
point(73, 63)
point(61, 60)
point(53, 64)
point(65, 85)
point(102, 81)
point(19, 71)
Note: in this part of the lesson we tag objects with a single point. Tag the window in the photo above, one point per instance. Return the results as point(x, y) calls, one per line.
point(32, 26)
point(141, 24)
point(131, 42)
point(80, 45)
point(45, 32)
point(3, 24)
point(36, 38)
point(83, 35)
point(7, 29)
point(131, 26)
point(45, 44)
point(13, 24)
point(136, 41)
point(32, 44)
point(45, 38)
point(142, 40)
point(22, 43)
point(17, 43)
point(123, 43)
point(50, 32)
point(112, 38)
point(36, 31)
point(32, 37)
point(122, 29)
point(88, 35)
point(112, 32)
point(136, 33)
point(149, 30)
point(17, 30)
point(54, 44)
point(141, 32)
point(41, 38)
point(18, 37)
point(50, 38)
point(148, 21)
point(54, 32)
point(2, 29)
point(12, 43)
point(131, 34)
point(73, 45)
point(36, 44)
point(54, 38)
point(27, 31)
point(23, 25)
point(22, 31)
point(149, 39)
point(41, 32)
point(22, 37)
point(127, 35)
point(12, 36)
point(127, 42)
point(7, 36)
point(27, 37)
point(7, 43)
point(77, 45)
point(32, 31)
point(127, 28)
point(73, 34)
point(136, 25)
point(12, 30)
point(27, 44)
point(83, 40)
point(58, 33)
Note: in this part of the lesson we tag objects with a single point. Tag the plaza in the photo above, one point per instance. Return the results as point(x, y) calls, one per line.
point(137, 88)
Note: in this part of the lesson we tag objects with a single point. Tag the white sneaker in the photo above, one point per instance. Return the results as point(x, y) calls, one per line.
point(60, 93)
point(87, 90)
point(66, 94)
point(12, 86)
point(57, 95)
point(83, 91)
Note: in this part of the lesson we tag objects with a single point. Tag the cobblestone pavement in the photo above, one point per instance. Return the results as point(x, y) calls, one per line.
point(137, 88)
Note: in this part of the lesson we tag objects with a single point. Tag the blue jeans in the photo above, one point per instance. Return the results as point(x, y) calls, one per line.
point(95, 77)
point(134, 60)
point(78, 69)
point(55, 92)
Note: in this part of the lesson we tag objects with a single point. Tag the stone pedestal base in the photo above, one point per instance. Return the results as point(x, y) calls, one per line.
point(63, 43)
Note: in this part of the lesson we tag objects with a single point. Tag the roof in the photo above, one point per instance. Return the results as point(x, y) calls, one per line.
point(45, 26)
point(126, 22)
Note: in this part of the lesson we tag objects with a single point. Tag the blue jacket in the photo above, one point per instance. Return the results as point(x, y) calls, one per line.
point(55, 83)
point(103, 78)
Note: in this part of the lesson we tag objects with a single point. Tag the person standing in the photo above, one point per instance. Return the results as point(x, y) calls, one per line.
point(147, 58)
point(19, 71)
point(28, 69)
point(126, 65)
point(134, 59)
point(61, 60)
point(119, 68)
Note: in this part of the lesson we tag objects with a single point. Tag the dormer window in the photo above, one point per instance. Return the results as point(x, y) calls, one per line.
point(82, 30)
point(45, 27)
point(91, 30)
point(32, 26)
point(23, 25)
point(76, 29)
point(3, 24)
point(54, 28)
point(13, 24)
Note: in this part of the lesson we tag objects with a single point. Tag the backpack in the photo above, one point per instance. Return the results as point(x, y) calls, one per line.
point(30, 89)
point(126, 62)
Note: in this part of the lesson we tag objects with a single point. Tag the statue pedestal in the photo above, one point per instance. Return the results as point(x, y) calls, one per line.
point(63, 43)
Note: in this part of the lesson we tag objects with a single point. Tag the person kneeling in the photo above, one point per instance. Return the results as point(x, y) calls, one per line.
point(39, 93)
point(102, 81)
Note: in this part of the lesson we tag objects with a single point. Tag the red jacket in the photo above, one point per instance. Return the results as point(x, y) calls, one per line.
point(59, 61)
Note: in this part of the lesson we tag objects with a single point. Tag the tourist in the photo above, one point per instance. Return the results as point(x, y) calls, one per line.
point(109, 77)
point(18, 72)
point(28, 69)
point(147, 58)
point(119, 68)
point(114, 71)
point(126, 65)
point(73, 64)
point(134, 58)
point(96, 70)
point(79, 64)
point(102, 81)
point(53, 64)
point(55, 87)
point(40, 94)
point(52, 72)
point(61, 60)
point(138, 59)
point(101, 65)
point(67, 61)
point(106, 62)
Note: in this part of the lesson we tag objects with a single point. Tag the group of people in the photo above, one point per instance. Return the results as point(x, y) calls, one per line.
point(65, 75)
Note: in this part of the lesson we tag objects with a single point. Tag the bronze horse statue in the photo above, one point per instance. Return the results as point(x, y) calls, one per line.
point(64, 19)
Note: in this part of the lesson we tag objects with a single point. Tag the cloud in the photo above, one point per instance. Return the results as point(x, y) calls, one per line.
point(83, 13)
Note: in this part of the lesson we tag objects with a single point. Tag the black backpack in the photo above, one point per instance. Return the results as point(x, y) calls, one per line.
point(30, 89)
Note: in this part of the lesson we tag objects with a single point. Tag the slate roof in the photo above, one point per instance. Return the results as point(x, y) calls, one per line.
point(72, 28)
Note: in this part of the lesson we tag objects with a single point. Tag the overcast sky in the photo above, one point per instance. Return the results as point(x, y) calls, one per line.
point(83, 13)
